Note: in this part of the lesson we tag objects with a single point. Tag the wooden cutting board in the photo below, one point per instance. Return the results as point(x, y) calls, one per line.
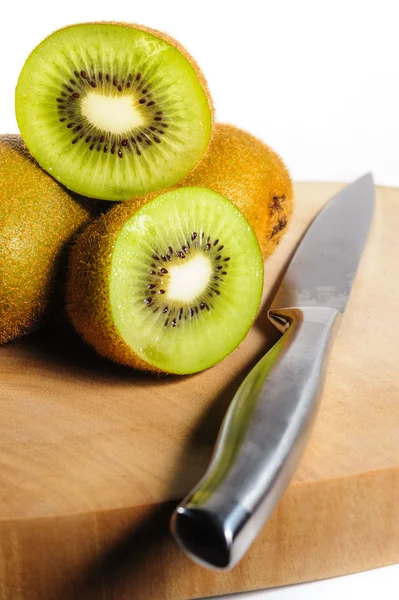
point(94, 457)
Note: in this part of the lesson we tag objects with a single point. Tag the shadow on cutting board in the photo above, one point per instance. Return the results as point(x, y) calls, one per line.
point(122, 558)
point(119, 568)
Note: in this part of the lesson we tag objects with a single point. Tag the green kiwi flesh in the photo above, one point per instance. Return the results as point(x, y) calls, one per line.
point(113, 111)
point(173, 286)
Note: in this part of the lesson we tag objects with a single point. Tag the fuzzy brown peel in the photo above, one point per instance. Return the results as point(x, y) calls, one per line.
point(246, 171)
point(87, 296)
point(38, 218)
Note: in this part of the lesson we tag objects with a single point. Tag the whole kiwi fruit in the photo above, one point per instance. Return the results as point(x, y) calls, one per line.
point(38, 218)
point(249, 173)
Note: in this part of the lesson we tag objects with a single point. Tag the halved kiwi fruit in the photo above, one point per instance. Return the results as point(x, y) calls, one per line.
point(173, 285)
point(113, 111)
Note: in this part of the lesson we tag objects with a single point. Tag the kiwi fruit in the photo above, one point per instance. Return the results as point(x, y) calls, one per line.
point(171, 285)
point(253, 176)
point(37, 219)
point(113, 111)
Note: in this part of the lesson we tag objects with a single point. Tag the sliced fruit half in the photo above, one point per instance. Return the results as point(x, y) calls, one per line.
point(113, 111)
point(172, 286)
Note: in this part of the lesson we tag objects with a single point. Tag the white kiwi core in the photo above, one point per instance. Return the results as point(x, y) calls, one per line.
point(116, 114)
point(189, 280)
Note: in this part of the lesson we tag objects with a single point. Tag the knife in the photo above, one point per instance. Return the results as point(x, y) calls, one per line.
point(268, 423)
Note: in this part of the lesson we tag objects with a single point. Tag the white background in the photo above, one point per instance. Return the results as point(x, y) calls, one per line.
point(316, 80)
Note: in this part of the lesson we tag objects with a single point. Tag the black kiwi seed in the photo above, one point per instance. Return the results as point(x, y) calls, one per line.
point(205, 303)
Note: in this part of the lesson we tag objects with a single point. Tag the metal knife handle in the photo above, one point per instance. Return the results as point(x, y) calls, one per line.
point(260, 442)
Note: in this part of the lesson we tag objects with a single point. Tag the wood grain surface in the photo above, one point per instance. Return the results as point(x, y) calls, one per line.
point(94, 457)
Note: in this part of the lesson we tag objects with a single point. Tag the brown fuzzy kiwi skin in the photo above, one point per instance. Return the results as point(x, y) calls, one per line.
point(252, 176)
point(87, 289)
point(38, 219)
